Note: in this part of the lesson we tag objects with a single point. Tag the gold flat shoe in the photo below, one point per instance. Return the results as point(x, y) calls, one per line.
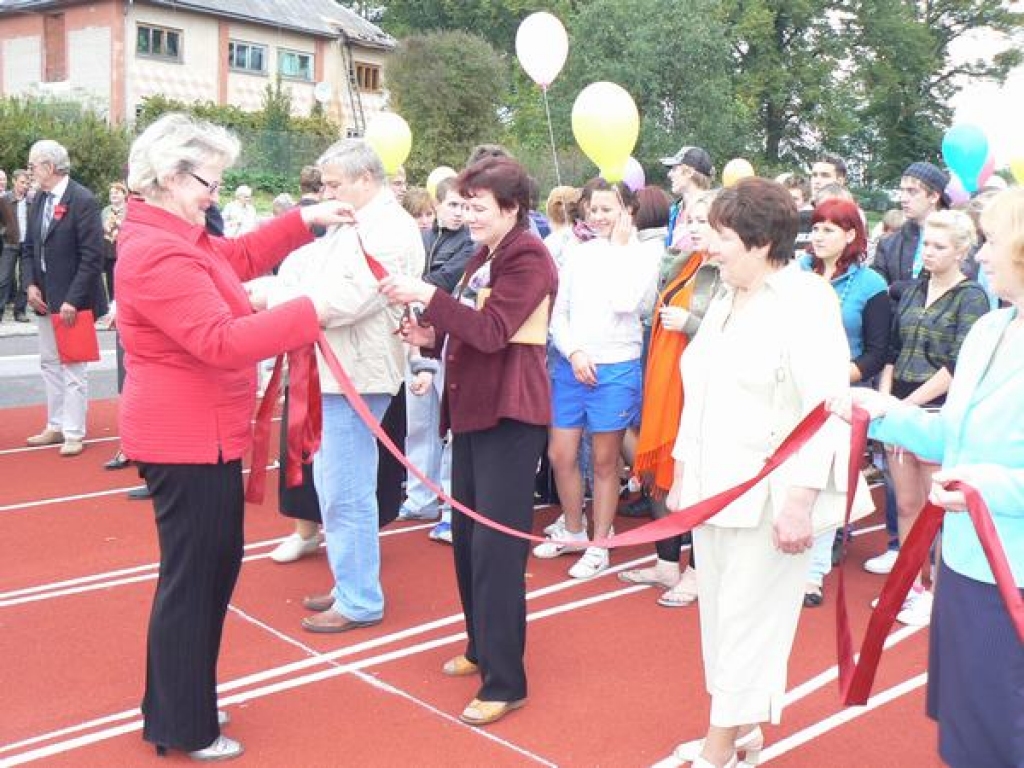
point(486, 712)
point(459, 666)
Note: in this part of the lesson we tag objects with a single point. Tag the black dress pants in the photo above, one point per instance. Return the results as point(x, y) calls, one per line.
point(493, 472)
point(199, 519)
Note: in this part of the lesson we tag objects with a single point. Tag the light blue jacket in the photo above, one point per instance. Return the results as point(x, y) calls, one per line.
point(980, 425)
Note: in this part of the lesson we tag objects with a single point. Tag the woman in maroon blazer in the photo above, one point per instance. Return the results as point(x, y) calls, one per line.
point(192, 342)
point(497, 402)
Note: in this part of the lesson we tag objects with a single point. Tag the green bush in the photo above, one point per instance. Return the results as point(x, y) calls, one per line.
point(98, 151)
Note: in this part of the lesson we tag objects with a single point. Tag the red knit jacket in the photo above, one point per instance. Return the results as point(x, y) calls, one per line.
point(190, 338)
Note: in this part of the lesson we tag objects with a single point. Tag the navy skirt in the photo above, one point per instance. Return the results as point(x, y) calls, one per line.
point(975, 675)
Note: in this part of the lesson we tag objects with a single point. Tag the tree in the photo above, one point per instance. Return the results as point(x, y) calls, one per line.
point(449, 87)
point(494, 20)
point(909, 76)
point(673, 59)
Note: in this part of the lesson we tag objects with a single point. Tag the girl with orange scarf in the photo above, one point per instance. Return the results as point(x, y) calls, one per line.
point(677, 316)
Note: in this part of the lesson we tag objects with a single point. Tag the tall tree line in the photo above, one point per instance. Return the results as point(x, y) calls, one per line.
point(776, 81)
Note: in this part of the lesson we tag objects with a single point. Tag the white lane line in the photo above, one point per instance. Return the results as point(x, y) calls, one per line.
point(392, 690)
point(283, 685)
point(841, 717)
point(33, 448)
point(482, 732)
point(147, 573)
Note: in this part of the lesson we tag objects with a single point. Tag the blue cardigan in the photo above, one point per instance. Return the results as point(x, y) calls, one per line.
point(981, 425)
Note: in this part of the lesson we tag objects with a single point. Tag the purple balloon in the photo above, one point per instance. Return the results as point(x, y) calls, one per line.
point(955, 190)
point(633, 177)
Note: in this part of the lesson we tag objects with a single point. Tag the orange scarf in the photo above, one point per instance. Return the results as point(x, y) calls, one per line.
point(663, 385)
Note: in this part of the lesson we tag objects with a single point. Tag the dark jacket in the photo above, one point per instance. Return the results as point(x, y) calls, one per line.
point(894, 258)
point(73, 248)
point(9, 219)
point(447, 253)
point(487, 378)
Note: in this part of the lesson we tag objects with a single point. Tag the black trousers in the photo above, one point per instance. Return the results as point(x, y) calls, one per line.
point(300, 502)
point(199, 519)
point(493, 472)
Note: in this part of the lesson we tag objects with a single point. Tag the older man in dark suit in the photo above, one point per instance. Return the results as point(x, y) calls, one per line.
point(61, 262)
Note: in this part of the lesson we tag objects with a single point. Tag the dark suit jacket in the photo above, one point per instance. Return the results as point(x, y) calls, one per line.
point(74, 251)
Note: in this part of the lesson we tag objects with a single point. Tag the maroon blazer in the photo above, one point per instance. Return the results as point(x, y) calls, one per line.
point(487, 378)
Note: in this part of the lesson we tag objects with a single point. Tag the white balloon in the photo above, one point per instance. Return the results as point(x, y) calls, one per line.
point(542, 46)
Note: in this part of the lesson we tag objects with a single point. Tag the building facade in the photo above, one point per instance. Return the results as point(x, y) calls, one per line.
point(112, 54)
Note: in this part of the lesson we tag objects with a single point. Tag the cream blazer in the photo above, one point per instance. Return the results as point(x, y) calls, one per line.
point(749, 378)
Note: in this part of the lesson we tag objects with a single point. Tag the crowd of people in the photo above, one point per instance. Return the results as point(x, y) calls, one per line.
point(672, 337)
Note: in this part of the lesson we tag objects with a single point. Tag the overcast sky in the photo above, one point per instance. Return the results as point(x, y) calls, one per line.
point(998, 110)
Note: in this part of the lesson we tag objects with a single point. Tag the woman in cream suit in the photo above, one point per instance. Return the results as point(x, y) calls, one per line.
point(771, 348)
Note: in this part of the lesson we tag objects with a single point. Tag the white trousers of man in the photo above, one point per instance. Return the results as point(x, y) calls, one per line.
point(67, 387)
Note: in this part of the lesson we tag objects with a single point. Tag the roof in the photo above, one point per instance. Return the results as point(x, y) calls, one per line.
point(323, 18)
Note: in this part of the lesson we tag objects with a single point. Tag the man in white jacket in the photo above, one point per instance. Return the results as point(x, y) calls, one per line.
point(361, 331)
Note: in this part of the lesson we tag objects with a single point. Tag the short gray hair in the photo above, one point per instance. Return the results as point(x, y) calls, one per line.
point(49, 151)
point(354, 157)
point(173, 145)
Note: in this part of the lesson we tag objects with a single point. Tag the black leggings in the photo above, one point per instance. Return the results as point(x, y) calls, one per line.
point(670, 549)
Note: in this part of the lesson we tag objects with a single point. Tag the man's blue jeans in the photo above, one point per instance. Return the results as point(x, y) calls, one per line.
point(345, 474)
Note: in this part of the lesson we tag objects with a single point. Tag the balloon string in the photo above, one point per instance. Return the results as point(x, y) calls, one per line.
point(551, 135)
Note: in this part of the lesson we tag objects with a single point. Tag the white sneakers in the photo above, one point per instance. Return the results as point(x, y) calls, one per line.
point(594, 561)
point(917, 608)
point(550, 549)
point(883, 563)
point(295, 547)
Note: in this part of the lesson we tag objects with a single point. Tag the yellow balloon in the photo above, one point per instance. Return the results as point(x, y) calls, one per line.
point(1017, 169)
point(391, 139)
point(736, 169)
point(437, 176)
point(606, 125)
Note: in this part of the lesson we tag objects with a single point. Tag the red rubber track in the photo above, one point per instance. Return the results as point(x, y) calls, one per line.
point(615, 680)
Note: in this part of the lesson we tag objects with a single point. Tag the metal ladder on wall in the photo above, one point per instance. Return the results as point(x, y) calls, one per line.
point(358, 123)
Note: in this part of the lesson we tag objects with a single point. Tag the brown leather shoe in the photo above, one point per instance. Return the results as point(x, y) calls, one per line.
point(318, 603)
point(486, 712)
point(46, 437)
point(460, 666)
point(330, 622)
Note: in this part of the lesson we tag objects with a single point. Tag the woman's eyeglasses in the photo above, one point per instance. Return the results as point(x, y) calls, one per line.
point(211, 186)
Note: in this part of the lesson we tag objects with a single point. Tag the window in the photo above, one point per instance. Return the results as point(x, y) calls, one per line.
point(158, 42)
point(247, 57)
point(368, 77)
point(295, 65)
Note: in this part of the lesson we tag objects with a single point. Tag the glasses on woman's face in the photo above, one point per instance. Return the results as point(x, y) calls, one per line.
point(211, 186)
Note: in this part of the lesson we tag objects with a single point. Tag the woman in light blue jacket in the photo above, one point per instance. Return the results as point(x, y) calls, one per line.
point(976, 664)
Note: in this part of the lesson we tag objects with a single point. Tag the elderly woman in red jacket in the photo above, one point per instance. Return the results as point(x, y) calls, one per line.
point(497, 401)
point(192, 342)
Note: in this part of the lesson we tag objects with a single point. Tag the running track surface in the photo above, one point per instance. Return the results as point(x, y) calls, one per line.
point(615, 680)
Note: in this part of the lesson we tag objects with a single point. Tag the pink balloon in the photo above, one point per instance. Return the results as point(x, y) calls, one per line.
point(955, 190)
point(987, 170)
point(633, 177)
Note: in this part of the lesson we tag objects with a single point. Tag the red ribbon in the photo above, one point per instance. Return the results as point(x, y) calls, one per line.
point(305, 421)
point(855, 678)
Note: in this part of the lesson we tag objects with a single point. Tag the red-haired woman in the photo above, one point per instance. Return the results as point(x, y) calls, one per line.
point(838, 249)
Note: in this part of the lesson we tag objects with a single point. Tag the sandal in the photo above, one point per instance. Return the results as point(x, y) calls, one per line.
point(647, 577)
point(682, 594)
point(459, 666)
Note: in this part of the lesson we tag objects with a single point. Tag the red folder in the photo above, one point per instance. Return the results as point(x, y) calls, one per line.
point(77, 343)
